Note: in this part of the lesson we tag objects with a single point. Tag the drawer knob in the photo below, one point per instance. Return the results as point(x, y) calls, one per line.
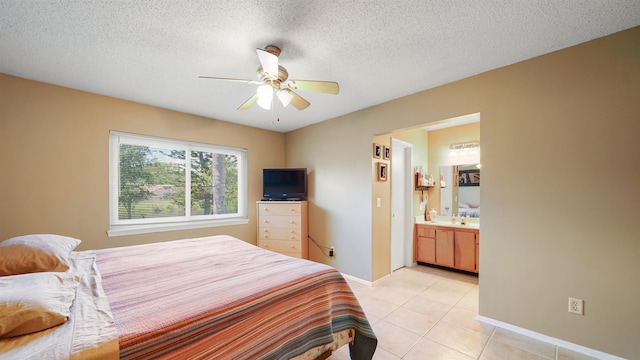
point(293, 247)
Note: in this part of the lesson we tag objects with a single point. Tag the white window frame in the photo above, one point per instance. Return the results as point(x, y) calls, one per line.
point(120, 227)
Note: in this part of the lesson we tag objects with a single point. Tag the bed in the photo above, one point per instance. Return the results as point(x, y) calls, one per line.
point(466, 210)
point(207, 298)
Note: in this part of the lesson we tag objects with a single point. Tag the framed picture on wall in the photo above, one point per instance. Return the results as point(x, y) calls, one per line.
point(386, 152)
point(469, 178)
point(377, 151)
point(382, 171)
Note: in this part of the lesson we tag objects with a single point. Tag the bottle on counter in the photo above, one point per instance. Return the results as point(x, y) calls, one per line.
point(433, 214)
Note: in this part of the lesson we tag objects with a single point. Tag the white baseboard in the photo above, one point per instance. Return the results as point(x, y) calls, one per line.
point(548, 339)
point(386, 277)
point(365, 282)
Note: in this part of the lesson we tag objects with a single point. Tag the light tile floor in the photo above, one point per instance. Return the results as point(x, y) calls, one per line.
point(423, 312)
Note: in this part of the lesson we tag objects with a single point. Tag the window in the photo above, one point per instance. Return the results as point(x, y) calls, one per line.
point(160, 185)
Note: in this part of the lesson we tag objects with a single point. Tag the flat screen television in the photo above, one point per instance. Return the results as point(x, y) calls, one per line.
point(284, 184)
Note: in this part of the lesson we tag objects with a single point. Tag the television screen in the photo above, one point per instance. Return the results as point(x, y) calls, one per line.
point(284, 184)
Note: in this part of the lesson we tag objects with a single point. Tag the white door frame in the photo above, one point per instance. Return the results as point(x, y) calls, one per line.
point(405, 198)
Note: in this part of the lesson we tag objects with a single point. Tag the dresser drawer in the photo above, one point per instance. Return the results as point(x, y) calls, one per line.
point(280, 233)
point(292, 222)
point(287, 247)
point(279, 209)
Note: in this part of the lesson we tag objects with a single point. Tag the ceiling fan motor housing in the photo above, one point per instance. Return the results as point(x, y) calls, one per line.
point(272, 49)
point(283, 75)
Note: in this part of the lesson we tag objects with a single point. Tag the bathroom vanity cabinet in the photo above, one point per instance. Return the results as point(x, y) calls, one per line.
point(450, 246)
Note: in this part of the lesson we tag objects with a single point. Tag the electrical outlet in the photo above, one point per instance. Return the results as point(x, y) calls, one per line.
point(576, 306)
point(331, 251)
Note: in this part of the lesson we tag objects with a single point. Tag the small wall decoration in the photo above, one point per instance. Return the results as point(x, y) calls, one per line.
point(386, 152)
point(377, 151)
point(382, 171)
point(469, 178)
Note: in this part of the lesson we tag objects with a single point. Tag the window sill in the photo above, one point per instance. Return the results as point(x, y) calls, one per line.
point(123, 230)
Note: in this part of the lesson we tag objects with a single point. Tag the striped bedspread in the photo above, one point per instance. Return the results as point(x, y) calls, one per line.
point(221, 298)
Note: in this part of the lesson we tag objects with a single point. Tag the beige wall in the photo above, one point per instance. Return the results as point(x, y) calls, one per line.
point(54, 160)
point(381, 213)
point(559, 187)
point(340, 188)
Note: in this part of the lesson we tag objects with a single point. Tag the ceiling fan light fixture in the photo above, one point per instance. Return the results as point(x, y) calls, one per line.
point(285, 96)
point(265, 96)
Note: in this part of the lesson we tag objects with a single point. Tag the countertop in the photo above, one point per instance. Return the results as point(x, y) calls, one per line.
point(472, 223)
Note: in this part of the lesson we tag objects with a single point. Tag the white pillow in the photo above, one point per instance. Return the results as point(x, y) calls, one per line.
point(35, 253)
point(34, 302)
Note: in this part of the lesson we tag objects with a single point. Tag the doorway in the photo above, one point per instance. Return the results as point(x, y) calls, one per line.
point(401, 204)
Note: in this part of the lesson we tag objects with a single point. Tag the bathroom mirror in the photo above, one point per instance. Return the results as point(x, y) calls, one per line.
point(461, 195)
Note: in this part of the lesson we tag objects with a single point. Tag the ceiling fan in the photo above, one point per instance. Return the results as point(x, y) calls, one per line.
point(274, 80)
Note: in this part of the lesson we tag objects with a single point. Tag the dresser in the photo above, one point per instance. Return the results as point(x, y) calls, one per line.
point(283, 227)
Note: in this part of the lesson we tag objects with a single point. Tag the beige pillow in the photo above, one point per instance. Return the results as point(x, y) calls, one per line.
point(34, 302)
point(35, 253)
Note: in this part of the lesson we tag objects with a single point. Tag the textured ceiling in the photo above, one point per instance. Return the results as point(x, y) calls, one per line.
point(152, 52)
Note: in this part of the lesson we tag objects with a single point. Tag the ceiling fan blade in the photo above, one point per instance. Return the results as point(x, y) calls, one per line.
point(249, 103)
point(269, 62)
point(299, 102)
point(327, 87)
point(230, 79)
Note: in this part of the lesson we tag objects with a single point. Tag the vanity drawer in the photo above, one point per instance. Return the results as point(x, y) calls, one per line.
point(425, 231)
